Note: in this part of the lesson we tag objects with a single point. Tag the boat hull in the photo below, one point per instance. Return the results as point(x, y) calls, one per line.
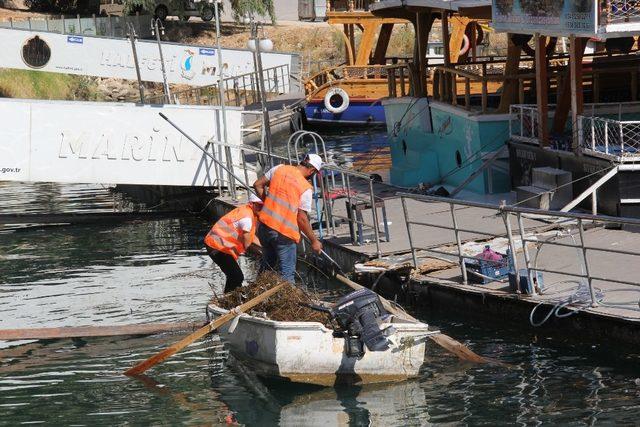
point(307, 352)
point(436, 144)
point(369, 112)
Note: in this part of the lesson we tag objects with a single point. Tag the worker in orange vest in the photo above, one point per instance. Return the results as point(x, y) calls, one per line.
point(285, 214)
point(230, 237)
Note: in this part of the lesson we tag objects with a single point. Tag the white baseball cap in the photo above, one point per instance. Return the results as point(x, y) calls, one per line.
point(315, 161)
point(255, 199)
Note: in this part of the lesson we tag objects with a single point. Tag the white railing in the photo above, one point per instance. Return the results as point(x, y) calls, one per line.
point(245, 163)
point(511, 220)
point(523, 124)
point(238, 90)
point(602, 128)
point(105, 26)
point(620, 11)
point(616, 138)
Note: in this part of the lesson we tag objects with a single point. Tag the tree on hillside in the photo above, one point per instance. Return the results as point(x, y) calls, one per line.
point(240, 8)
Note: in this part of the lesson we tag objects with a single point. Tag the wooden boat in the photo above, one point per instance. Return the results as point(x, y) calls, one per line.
point(307, 352)
point(351, 93)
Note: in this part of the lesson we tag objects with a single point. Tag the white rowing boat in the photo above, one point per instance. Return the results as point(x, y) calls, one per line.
point(307, 352)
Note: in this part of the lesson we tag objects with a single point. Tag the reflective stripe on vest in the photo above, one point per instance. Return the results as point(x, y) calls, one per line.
point(279, 217)
point(280, 210)
point(225, 238)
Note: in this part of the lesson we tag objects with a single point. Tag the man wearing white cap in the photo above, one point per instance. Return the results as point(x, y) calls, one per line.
point(285, 213)
point(230, 237)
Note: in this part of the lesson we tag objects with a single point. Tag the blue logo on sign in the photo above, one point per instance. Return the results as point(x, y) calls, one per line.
point(207, 51)
point(74, 39)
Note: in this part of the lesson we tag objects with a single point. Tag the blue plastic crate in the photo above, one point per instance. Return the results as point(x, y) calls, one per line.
point(491, 270)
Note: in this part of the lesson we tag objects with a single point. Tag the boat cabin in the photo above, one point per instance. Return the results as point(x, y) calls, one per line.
point(448, 129)
point(566, 114)
point(583, 124)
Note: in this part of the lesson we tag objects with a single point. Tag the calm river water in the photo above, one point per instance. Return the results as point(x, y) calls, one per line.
point(155, 270)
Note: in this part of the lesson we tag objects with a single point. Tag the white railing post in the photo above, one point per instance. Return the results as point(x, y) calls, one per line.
point(521, 116)
point(525, 250)
point(593, 134)
point(510, 122)
point(374, 212)
point(594, 303)
point(621, 139)
point(406, 221)
point(463, 268)
point(512, 246)
point(606, 137)
point(580, 131)
point(533, 124)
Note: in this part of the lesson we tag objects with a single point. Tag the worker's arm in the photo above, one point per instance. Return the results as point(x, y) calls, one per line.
point(305, 227)
point(246, 239)
point(260, 185)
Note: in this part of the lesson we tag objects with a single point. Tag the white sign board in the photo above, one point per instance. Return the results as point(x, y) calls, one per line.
point(115, 143)
point(108, 57)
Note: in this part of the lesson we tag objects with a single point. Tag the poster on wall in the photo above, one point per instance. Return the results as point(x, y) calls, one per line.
point(551, 17)
point(113, 58)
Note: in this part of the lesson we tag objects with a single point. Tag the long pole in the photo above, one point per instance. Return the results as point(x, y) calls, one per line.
point(211, 156)
point(132, 37)
point(167, 93)
point(265, 113)
point(216, 8)
point(220, 73)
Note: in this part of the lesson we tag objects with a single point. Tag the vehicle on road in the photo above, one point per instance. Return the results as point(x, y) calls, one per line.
point(163, 9)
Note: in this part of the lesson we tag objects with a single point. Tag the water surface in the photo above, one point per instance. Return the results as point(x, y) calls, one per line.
point(155, 270)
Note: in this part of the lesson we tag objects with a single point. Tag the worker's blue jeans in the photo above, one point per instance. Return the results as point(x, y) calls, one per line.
point(276, 247)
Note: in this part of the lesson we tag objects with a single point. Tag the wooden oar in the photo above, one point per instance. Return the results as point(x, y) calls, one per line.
point(95, 331)
point(169, 351)
point(455, 347)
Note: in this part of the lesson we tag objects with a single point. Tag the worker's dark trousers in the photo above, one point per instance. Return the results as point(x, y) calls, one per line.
point(229, 267)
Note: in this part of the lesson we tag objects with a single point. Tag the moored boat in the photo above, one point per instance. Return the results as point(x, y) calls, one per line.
point(350, 93)
point(308, 352)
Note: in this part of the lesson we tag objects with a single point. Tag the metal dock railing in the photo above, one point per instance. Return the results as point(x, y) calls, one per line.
point(520, 240)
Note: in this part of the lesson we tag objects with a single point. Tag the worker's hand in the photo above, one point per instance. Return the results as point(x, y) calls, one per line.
point(316, 245)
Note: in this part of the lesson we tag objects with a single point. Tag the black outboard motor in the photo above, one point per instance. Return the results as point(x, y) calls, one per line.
point(358, 316)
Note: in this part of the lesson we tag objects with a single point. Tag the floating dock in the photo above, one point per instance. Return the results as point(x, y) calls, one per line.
point(554, 248)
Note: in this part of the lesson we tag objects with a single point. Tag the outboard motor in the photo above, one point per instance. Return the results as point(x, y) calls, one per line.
point(358, 316)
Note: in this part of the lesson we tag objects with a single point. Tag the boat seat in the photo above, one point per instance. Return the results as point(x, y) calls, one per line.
point(354, 210)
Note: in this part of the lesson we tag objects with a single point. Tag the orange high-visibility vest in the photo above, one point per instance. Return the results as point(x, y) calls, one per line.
point(280, 209)
point(224, 237)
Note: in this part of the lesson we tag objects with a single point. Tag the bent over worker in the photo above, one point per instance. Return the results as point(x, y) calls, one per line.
point(285, 214)
point(230, 237)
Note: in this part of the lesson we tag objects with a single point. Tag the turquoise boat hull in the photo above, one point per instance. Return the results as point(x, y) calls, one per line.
point(437, 144)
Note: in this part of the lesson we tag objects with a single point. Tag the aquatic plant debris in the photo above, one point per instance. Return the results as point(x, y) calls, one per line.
point(286, 306)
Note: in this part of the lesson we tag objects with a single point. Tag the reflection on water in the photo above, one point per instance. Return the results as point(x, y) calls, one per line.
point(365, 150)
point(81, 382)
point(155, 270)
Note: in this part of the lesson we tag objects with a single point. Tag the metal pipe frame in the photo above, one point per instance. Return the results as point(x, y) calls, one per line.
point(463, 268)
point(506, 212)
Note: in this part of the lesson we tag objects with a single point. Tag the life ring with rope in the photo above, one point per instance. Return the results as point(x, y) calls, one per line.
point(466, 44)
point(333, 96)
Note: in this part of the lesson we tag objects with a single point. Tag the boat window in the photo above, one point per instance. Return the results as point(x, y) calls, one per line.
point(404, 147)
point(458, 158)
